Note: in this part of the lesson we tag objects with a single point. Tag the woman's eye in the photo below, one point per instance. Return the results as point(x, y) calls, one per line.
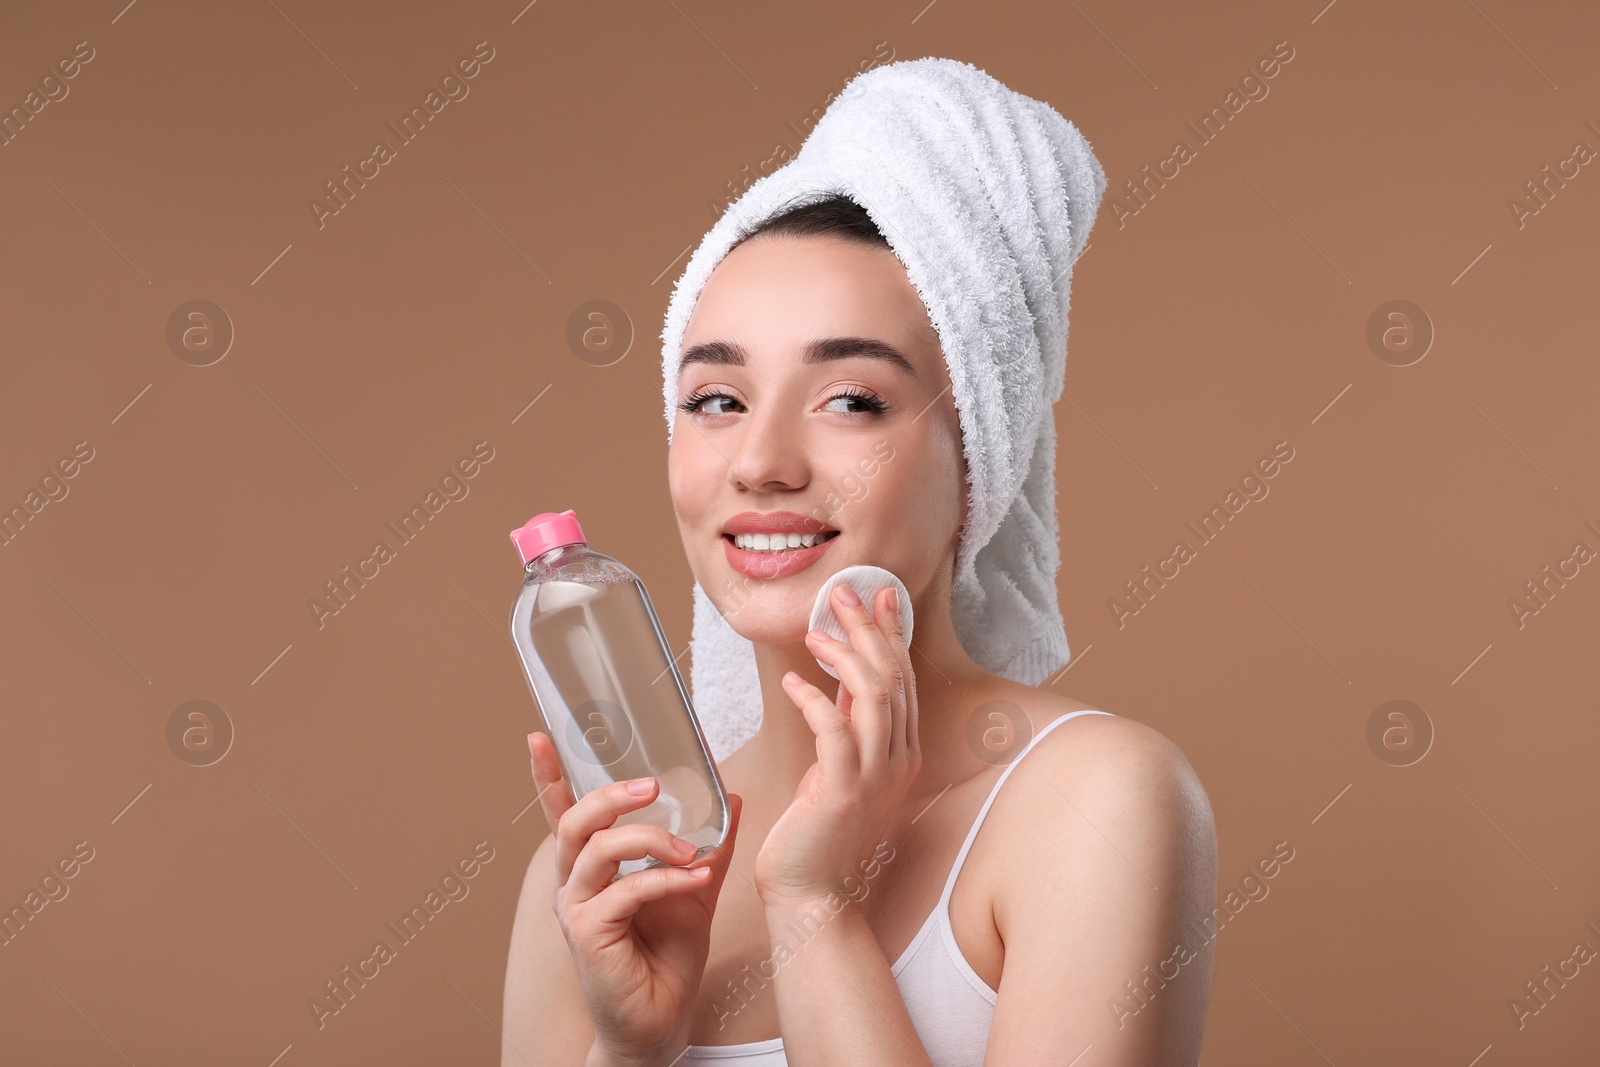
point(698, 404)
point(855, 404)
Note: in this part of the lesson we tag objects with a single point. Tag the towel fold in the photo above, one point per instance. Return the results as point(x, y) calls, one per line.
point(986, 196)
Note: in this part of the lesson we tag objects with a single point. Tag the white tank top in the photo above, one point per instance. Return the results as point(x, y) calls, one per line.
point(950, 1006)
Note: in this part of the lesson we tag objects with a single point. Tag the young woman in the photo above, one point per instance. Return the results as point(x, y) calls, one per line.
point(881, 899)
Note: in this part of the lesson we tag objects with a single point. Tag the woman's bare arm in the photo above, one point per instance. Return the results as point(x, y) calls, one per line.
point(837, 998)
point(1108, 873)
point(546, 1023)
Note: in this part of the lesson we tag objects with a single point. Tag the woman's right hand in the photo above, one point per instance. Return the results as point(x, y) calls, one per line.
point(639, 943)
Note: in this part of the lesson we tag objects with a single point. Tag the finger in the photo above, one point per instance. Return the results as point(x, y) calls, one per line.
point(554, 792)
point(867, 637)
point(837, 747)
point(591, 814)
point(720, 858)
point(597, 864)
point(622, 898)
point(619, 900)
point(865, 632)
point(887, 616)
point(870, 707)
point(864, 697)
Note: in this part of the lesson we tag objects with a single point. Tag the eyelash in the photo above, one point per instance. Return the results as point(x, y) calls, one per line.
point(876, 404)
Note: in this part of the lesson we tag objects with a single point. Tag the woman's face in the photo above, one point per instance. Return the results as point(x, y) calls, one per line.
point(787, 360)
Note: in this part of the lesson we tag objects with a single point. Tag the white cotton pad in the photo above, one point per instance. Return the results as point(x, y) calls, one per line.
point(867, 581)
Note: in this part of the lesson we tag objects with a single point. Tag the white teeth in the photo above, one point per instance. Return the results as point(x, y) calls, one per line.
point(776, 542)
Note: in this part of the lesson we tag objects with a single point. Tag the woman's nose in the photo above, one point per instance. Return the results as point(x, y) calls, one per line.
point(770, 453)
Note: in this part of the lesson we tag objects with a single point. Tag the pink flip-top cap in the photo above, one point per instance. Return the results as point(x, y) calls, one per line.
point(546, 530)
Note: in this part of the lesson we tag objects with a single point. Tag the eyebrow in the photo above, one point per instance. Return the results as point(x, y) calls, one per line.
point(822, 350)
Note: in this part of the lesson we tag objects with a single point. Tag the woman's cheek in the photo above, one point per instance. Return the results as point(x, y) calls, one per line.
point(675, 481)
point(927, 480)
point(686, 487)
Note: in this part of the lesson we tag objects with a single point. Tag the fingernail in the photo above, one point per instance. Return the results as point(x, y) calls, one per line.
point(639, 786)
point(530, 745)
point(680, 846)
point(819, 635)
point(848, 595)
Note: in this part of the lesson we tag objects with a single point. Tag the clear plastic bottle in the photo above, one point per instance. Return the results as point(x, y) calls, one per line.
point(607, 686)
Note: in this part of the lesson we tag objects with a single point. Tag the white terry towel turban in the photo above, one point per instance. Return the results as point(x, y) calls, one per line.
point(986, 196)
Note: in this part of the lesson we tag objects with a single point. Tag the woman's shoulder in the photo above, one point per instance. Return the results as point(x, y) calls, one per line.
point(1113, 765)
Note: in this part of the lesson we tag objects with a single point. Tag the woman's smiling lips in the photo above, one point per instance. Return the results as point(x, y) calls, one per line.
point(755, 563)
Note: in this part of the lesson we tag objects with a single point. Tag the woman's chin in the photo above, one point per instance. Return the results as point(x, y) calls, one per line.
point(768, 631)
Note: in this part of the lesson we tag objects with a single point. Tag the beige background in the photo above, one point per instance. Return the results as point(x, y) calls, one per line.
point(370, 355)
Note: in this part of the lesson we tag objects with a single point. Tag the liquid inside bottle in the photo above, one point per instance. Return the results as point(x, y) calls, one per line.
point(609, 693)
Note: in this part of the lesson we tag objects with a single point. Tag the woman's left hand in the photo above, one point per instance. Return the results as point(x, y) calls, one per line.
point(867, 757)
